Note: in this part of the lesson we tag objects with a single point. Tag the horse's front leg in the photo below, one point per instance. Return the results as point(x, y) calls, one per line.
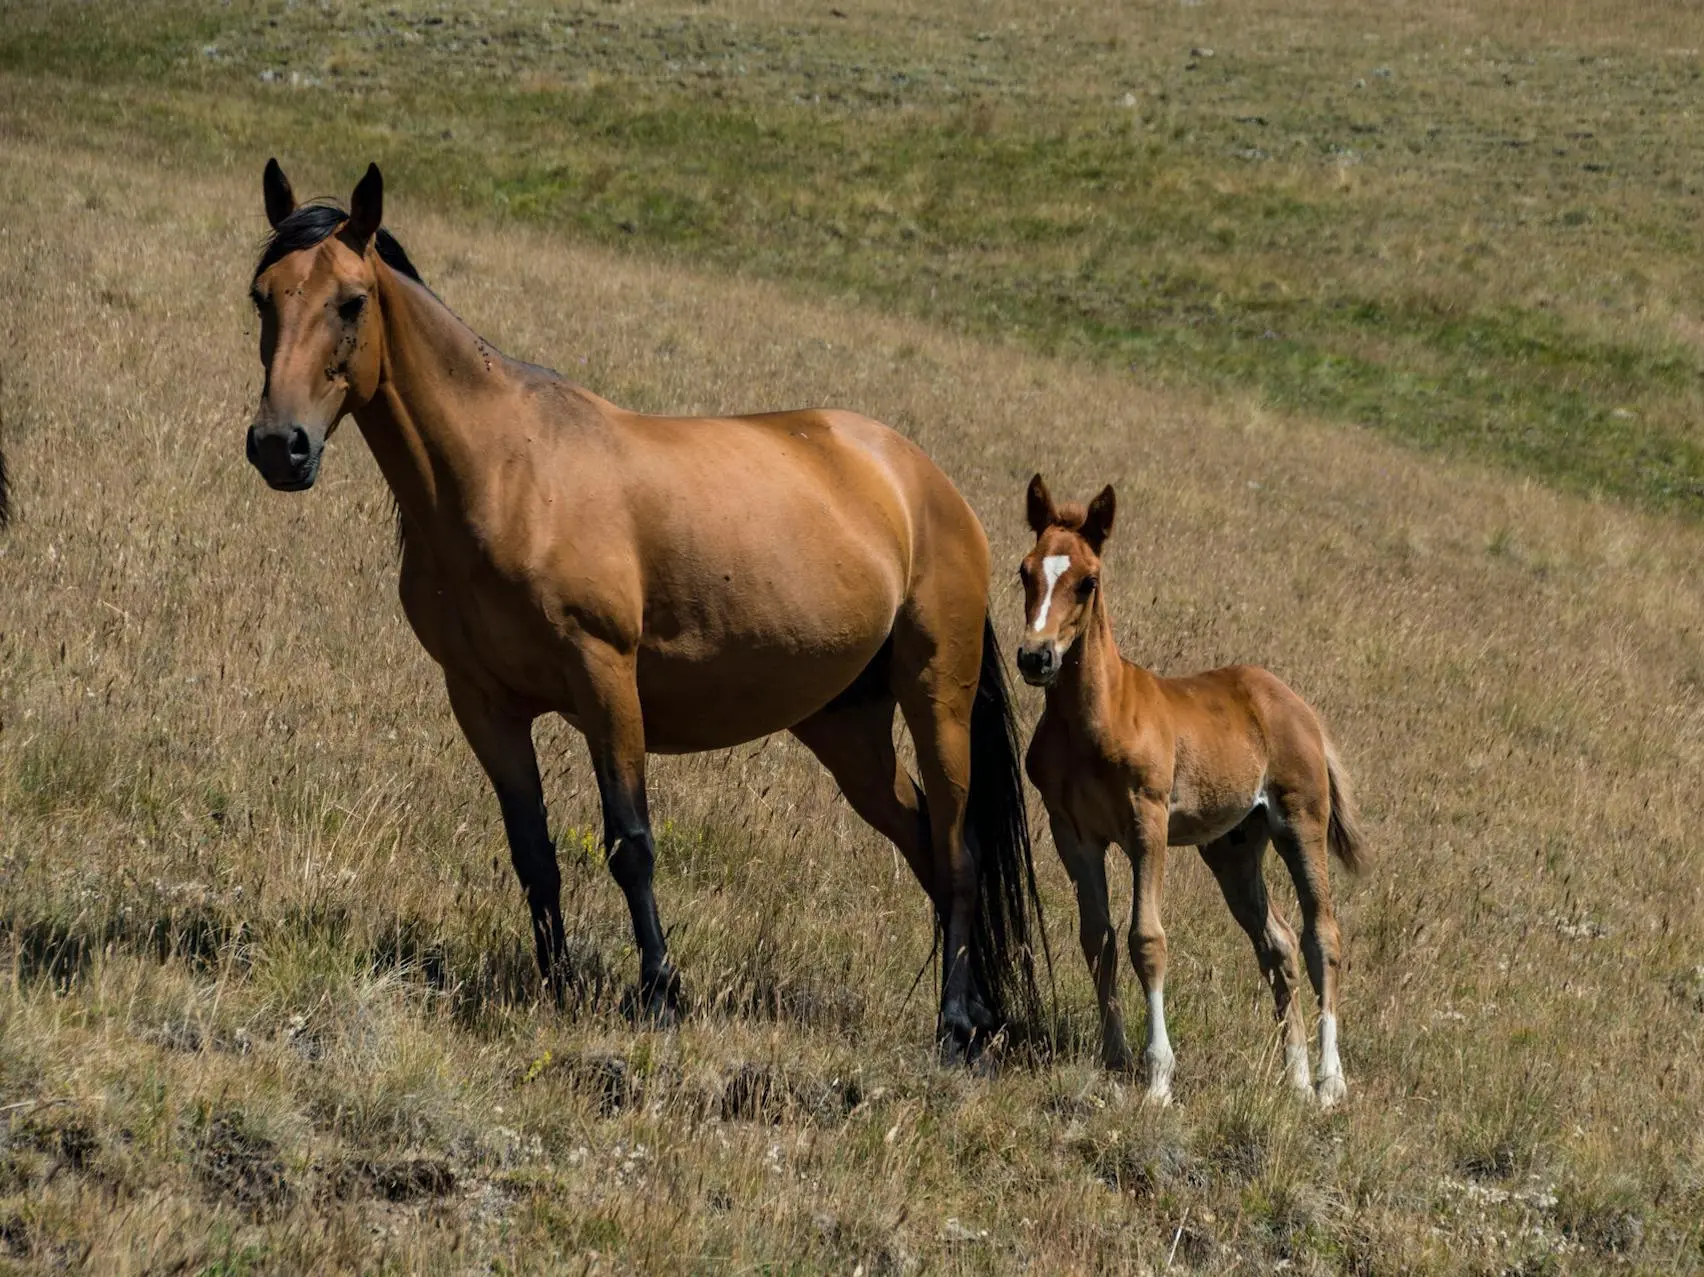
point(609, 713)
point(1146, 846)
point(1085, 862)
point(501, 737)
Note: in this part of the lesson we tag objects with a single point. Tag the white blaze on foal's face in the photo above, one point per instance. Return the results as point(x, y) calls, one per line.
point(1052, 568)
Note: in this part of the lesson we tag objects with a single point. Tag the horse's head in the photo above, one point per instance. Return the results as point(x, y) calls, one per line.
point(1061, 576)
point(320, 338)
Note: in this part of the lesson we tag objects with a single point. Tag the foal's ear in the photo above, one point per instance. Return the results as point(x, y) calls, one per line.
point(1042, 514)
point(366, 208)
point(280, 199)
point(1097, 524)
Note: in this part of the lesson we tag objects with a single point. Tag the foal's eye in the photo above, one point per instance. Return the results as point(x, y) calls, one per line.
point(1086, 586)
point(349, 310)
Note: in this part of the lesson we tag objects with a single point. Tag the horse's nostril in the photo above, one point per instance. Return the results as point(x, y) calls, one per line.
point(299, 445)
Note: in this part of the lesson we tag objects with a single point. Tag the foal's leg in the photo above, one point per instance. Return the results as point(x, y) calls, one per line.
point(1235, 861)
point(502, 741)
point(1146, 847)
point(1300, 838)
point(1085, 862)
point(607, 706)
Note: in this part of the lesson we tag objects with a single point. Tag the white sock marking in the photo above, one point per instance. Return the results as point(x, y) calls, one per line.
point(1052, 568)
point(1158, 1055)
point(1328, 1062)
point(1296, 1063)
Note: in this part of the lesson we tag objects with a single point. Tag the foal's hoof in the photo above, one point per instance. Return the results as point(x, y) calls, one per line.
point(658, 1001)
point(1331, 1091)
point(1296, 1071)
point(1159, 1069)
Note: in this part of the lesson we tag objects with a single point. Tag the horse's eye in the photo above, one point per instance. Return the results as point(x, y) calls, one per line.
point(349, 310)
point(1086, 586)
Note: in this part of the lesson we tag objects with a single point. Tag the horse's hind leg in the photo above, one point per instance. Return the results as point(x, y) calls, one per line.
point(1300, 835)
point(502, 741)
point(855, 742)
point(935, 680)
point(1235, 861)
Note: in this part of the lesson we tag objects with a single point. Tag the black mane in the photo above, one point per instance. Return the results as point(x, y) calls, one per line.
point(312, 223)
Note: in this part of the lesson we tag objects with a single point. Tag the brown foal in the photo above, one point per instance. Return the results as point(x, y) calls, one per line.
point(1226, 761)
point(666, 585)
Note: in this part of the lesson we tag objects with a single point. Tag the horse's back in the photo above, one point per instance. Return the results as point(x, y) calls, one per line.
point(831, 482)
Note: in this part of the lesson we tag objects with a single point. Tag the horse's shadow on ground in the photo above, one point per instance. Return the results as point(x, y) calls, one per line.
point(483, 986)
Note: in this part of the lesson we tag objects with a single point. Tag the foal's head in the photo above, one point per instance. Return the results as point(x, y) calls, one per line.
point(1061, 576)
point(320, 342)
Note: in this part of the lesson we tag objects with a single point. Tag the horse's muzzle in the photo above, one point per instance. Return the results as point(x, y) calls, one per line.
point(287, 457)
point(1038, 663)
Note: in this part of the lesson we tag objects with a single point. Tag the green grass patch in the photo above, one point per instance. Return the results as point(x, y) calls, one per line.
point(1469, 249)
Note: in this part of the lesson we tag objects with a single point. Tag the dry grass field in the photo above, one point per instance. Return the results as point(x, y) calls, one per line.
point(266, 997)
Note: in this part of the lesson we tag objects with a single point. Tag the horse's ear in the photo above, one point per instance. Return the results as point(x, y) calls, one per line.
point(1042, 514)
point(280, 199)
point(1097, 524)
point(366, 208)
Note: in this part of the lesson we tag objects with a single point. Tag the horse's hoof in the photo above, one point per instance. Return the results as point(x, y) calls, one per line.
point(1159, 1068)
point(1331, 1091)
point(1296, 1071)
point(957, 1042)
point(658, 1001)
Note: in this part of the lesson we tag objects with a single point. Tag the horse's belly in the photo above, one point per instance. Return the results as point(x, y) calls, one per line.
point(737, 697)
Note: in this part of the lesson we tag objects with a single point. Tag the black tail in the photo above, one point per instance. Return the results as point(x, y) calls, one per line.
point(1009, 924)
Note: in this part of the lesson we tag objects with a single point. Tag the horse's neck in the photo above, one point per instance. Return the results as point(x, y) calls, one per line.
point(1089, 685)
point(435, 425)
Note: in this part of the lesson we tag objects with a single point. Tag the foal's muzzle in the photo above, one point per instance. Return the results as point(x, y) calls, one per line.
point(1038, 663)
point(287, 457)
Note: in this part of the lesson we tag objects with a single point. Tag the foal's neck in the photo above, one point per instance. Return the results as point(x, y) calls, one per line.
point(1093, 669)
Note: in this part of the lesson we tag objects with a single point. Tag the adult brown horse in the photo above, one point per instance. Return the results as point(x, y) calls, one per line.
point(664, 584)
point(1224, 761)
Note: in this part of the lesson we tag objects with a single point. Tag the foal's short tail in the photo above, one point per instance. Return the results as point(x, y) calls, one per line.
point(1009, 923)
point(1343, 832)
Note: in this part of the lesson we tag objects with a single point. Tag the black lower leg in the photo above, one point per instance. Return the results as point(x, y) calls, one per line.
point(958, 1022)
point(534, 858)
point(632, 859)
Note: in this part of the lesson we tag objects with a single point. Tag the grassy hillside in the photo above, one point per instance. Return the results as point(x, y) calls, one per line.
point(265, 981)
point(269, 992)
point(1476, 230)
